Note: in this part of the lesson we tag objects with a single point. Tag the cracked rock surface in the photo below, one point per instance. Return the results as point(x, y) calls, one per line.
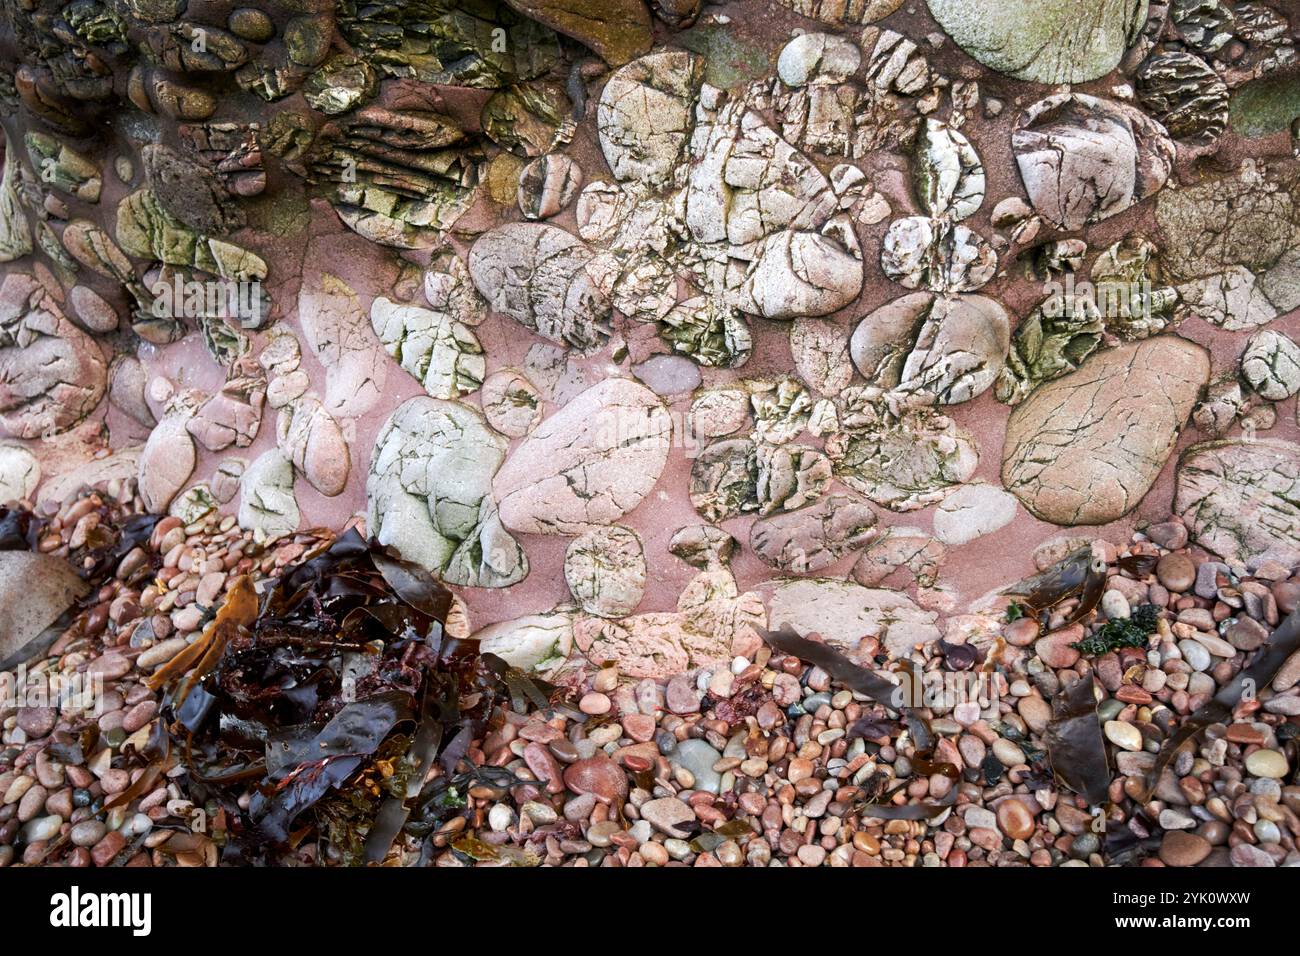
point(590, 463)
point(1085, 159)
point(1084, 449)
point(51, 373)
point(1239, 498)
point(430, 494)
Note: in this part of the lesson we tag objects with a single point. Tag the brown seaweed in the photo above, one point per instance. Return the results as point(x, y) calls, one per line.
point(330, 702)
point(1138, 565)
point(1080, 574)
point(1282, 643)
point(1075, 746)
point(840, 668)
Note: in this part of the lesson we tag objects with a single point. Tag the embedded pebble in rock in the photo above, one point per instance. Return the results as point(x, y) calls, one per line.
point(1271, 364)
point(20, 473)
point(814, 537)
point(1231, 244)
point(429, 494)
point(1085, 159)
point(817, 54)
point(536, 642)
point(949, 348)
point(901, 556)
point(588, 464)
point(1183, 93)
point(314, 442)
point(1239, 498)
point(52, 374)
point(645, 116)
point(511, 403)
point(547, 185)
point(335, 329)
point(230, 417)
point(949, 177)
point(905, 459)
point(719, 411)
point(444, 355)
point(95, 314)
point(127, 380)
point(266, 500)
point(168, 457)
point(1085, 448)
point(668, 375)
point(537, 274)
point(843, 612)
point(821, 354)
point(1043, 42)
point(933, 254)
point(605, 570)
point(971, 512)
point(703, 546)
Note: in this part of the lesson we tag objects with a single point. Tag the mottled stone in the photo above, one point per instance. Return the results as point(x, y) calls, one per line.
point(605, 569)
point(429, 494)
point(1084, 159)
point(814, 537)
point(948, 349)
point(843, 613)
point(590, 463)
point(1085, 448)
point(1239, 498)
point(1047, 41)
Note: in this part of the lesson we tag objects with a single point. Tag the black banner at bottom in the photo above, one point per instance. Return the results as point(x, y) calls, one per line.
point(141, 906)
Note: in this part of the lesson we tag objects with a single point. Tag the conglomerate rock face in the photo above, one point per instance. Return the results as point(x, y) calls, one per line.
point(645, 324)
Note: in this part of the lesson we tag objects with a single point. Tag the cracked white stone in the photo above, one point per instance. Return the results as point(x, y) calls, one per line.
point(511, 403)
point(813, 538)
point(334, 327)
point(442, 354)
point(429, 494)
point(1241, 499)
point(1084, 159)
point(947, 171)
point(1271, 364)
point(605, 569)
point(20, 473)
point(589, 464)
point(537, 274)
point(947, 349)
point(920, 252)
point(266, 501)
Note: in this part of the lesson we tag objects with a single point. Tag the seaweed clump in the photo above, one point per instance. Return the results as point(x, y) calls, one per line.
point(1132, 631)
point(325, 721)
